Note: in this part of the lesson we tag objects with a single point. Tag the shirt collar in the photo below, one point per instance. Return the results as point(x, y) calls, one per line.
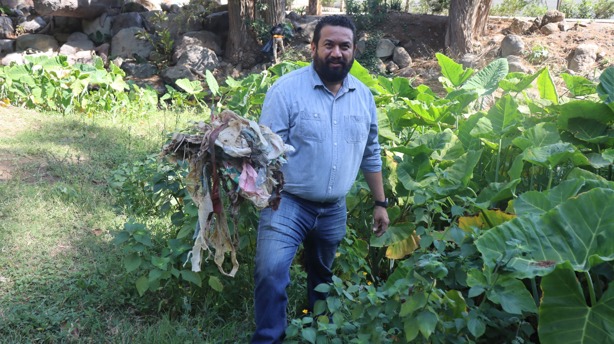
point(349, 83)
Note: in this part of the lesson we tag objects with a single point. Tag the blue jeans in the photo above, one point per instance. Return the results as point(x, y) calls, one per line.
point(320, 227)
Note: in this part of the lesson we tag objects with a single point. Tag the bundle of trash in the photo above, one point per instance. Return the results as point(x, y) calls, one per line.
point(233, 159)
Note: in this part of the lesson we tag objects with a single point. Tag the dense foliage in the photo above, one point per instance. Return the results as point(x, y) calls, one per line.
point(502, 211)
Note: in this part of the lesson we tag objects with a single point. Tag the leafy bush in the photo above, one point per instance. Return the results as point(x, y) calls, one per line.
point(51, 84)
point(529, 8)
point(600, 9)
point(452, 267)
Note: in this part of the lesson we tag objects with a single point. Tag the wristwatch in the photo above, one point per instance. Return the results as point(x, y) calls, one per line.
point(383, 203)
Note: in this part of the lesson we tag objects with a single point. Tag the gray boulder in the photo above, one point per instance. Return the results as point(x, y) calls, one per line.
point(391, 67)
point(36, 42)
point(171, 74)
point(141, 6)
point(7, 46)
point(550, 28)
point(552, 16)
point(401, 57)
point(100, 29)
point(32, 26)
point(125, 44)
point(512, 45)
point(385, 48)
point(583, 58)
point(77, 42)
point(197, 38)
point(519, 27)
point(74, 8)
point(125, 21)
point(139, 70)
point(198, 59)
point(7, 30)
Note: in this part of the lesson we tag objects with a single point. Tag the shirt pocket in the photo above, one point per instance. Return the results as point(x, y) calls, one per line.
point(311, 126)
point(356, 129)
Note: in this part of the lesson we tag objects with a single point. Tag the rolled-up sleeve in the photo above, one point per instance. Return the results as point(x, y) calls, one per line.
point(371, 159)
point(275, 112)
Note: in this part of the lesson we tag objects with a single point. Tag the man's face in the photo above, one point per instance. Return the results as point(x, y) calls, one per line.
point(333, 55)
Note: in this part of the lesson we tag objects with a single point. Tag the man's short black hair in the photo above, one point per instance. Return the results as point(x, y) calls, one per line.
point(334, 20)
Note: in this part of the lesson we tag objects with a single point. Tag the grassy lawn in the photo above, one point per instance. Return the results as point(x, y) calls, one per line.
point(61, 277)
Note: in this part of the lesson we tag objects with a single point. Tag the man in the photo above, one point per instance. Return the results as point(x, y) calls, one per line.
point(330, 118)
point(277, 35)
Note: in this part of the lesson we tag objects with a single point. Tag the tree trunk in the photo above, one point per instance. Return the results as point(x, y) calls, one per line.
point(275, 12)
point(461, 23)
point(241, 46)
point(481, 19)
point(315, 8)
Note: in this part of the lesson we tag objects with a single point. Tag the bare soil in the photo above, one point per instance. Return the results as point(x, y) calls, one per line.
point(424, 35)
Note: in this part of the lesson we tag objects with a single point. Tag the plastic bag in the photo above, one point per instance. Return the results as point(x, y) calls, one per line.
point(268, 47)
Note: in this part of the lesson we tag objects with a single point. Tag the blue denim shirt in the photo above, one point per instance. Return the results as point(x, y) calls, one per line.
point(333, 136)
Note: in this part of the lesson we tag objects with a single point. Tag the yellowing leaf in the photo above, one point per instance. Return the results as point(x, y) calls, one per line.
point(485, 220)
point(400, 249)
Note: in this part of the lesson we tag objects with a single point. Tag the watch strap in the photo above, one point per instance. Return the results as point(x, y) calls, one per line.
point(383, 203)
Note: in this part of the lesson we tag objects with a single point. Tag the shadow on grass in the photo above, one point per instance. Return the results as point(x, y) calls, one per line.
point(61, 278)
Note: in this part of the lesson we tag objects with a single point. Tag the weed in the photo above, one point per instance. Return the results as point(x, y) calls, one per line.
point(538, 54)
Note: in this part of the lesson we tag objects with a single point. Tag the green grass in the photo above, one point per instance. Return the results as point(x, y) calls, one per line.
point(61, 278)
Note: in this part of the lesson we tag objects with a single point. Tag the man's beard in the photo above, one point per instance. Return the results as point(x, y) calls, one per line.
point(328, 74)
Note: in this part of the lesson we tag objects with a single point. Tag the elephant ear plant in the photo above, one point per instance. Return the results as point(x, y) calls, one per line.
point(566, 237)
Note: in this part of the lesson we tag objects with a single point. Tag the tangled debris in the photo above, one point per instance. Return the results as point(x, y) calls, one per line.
point(230, 156)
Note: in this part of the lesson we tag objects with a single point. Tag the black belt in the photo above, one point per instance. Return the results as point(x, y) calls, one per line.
point(310, 202)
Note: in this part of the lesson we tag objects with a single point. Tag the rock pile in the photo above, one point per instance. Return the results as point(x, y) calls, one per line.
point(127, 33)
point(581, 60)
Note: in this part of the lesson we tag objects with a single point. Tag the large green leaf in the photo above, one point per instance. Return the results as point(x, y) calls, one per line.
point(542, 134)
point(190, 87)
point(542, 146)
point(362, 74)
point(590, 130)
point(578, 86)
point(214, 87)
point(502, 118)
point(549, 155)
point(583, 109)
point(546, 88)
point(507, 291)
point(518, 82)
point(462, 170)
point(132, 262)
point(486, 81)
point(564, 315)
point(579, 230)
point(606, 87)
point(537, 203)
point(452, 70)
point(432, 111)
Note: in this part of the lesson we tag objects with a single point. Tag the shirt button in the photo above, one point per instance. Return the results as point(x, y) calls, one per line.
point(334, 167)
point(335, 122)
point(335, 144)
